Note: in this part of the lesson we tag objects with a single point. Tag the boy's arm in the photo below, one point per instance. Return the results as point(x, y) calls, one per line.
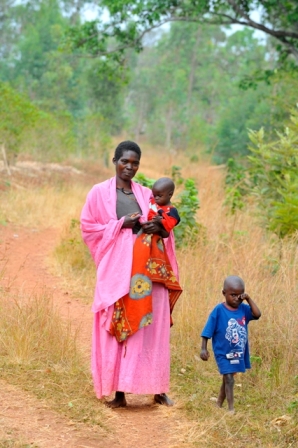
point(204, 355)
point(253, 306)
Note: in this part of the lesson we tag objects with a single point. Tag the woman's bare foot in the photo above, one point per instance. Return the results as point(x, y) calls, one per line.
point(118, 402)
point(163, 399)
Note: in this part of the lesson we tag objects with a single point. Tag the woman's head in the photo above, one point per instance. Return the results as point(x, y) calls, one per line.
point(126, 146)
point(126, 160)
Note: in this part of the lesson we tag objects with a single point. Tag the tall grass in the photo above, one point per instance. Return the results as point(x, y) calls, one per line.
point(231, 245)
point(32, 332)
point(42, 206)
point(237, 245)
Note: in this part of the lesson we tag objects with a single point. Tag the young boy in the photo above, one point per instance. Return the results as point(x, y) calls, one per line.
point(160, 206)
point(227, 326)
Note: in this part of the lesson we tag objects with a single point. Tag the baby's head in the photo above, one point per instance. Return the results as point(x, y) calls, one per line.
point(233, 288)
point(163, 190)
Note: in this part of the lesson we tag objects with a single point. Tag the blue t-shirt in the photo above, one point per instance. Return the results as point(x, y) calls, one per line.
point(229, 333)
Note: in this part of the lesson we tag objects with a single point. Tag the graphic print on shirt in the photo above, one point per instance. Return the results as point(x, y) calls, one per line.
point(237, 336)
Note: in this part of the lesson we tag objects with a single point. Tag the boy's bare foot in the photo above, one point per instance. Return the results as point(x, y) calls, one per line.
point(163, 399)
point(219, 403)
point(118, 402)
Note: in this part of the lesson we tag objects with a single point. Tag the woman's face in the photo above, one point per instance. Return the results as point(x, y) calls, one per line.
point(127, 165)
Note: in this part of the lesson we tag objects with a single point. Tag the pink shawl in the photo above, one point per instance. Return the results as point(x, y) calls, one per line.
point(111, 246)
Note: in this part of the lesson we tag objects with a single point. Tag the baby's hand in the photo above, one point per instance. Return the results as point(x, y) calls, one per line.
point(204, 355)
point(157, 218)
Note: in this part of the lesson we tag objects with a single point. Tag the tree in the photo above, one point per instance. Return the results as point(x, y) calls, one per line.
point(84, 94)
point(130, 20)
point(16, 114)
point(184, 90)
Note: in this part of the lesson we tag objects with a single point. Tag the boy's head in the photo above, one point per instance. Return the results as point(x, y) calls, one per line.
point(163, 190)
point(233, 288)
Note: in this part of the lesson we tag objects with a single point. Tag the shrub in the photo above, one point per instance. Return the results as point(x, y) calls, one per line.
point(270, 177)
point(274, 183)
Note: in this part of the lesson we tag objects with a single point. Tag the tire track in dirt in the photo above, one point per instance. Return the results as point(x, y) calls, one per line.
point(142, 423)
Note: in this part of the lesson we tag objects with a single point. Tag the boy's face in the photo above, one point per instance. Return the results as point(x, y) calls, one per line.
point(162, 196)
point(233, 295)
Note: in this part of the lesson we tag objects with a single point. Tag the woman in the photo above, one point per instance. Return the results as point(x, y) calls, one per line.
point(114, 212)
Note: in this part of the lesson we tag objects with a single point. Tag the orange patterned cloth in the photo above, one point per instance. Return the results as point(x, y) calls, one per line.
point(150, 264)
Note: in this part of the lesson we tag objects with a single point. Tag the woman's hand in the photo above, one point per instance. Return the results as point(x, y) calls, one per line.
point(130, 220)
point(152, 227)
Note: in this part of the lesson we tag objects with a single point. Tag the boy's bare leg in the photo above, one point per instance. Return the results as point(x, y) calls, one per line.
point(229, 390)
point(222, 393)
point(118, 402)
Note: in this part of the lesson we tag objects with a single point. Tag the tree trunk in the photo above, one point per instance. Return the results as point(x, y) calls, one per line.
point(169, 124)
point(6, 165)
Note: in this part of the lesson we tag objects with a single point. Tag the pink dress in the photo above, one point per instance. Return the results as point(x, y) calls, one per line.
point(142, 366)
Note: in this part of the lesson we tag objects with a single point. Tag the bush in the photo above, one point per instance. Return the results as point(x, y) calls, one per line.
point(273, 172)
point(270, 177)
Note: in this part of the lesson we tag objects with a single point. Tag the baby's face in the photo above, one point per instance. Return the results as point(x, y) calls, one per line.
point(162, 196)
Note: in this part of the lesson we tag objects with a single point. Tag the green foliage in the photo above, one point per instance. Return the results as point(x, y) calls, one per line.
point(16, 114)
point(270, 177)
point(180, 100)
point(187, 204)
point(176, 175)
point(273, 168)
point(144, 180)
point(234, 185)
point(241, 112)
point(25, 128)
point(129, 20)
point(84, 97)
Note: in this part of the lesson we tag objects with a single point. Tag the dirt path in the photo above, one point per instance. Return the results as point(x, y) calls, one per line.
point(27, 419)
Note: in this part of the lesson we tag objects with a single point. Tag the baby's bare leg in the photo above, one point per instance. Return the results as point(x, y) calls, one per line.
point(229, 390)
point(222, 394)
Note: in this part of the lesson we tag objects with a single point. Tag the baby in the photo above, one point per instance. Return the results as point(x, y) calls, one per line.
point(160, 207)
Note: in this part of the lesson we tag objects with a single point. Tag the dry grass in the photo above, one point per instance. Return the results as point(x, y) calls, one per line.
point(38, 353)
point(42, 207)
point(234, 245)
point(38, 350)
